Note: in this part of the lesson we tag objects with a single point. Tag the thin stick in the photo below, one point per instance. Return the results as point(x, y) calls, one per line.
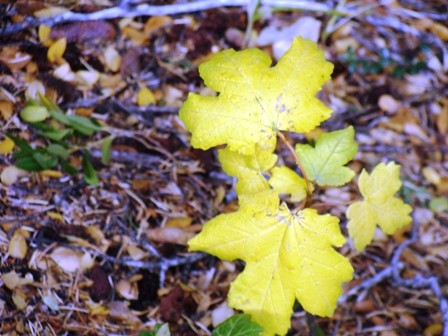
point(298, 163)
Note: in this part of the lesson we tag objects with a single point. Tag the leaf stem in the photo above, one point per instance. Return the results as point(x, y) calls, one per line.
point(298, 163)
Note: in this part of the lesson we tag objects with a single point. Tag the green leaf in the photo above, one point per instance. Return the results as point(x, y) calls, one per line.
point(59, 116)
point(106, 147)
point(28, 163)
point(22, 144)
point(33, 113)
point(163, 330)
point(51, 132)
point(67, 167)
point(58, 150)
point(83, 125)
point(238, 325)
point(45, 160)
point(325, 162)
point(438, 204)
point(90, 175)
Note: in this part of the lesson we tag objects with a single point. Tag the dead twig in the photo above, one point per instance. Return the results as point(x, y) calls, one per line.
point(121, 12)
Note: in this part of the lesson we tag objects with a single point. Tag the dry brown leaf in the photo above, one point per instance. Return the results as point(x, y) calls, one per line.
point(6, 109)
point(179, 222)
point(71, 261)
point(17, 246)
point(127, 290)
point(169, 235)
point(112, 59)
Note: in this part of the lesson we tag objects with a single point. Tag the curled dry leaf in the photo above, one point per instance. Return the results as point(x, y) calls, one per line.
point(112, 59)
point(71, 261)
point(18, 298)
point(6, 109)
point(171, 235)
point(17, 246)
point(13, 280)
point(127, 290)
point(120, 311)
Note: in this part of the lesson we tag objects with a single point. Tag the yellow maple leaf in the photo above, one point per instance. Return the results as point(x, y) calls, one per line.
point(379, 205)
point(287, 181)
point(248, 169)
point(288, 255)
point(325, 162)
point(256, 100)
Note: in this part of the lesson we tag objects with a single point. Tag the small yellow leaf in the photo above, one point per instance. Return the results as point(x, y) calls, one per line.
point(179, 222)
point(325, 162)
point(44, 35)
point(6, 146)
point(17, 246)
point(287, 181)
point(19, 301)
point(51, 173)
point(56, 50)
point(288, 255)
point(379, 205)
point(55, 216)
point(145, 97)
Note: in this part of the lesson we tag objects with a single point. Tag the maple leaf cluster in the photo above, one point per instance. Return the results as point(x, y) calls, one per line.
point(289, 255)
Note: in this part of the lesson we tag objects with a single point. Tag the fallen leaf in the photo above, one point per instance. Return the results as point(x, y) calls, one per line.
point(169, 235)
point(71, 261)
point(17, 246)
point(6, 146)
point(145, 97)
point(57, 50)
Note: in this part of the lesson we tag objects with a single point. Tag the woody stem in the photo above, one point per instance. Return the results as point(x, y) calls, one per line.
point(298, 163)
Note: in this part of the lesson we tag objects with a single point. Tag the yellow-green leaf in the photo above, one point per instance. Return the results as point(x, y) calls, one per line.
point(34, 113)
point(287, 181)
point(6, 146)
point(256, 100)
point(145, 97)
point(288, 255)
point(56, 50)
point(248, 169)
point(325, 162)
point(379, 205)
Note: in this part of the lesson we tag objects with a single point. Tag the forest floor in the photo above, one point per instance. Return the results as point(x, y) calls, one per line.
point(103, 251)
